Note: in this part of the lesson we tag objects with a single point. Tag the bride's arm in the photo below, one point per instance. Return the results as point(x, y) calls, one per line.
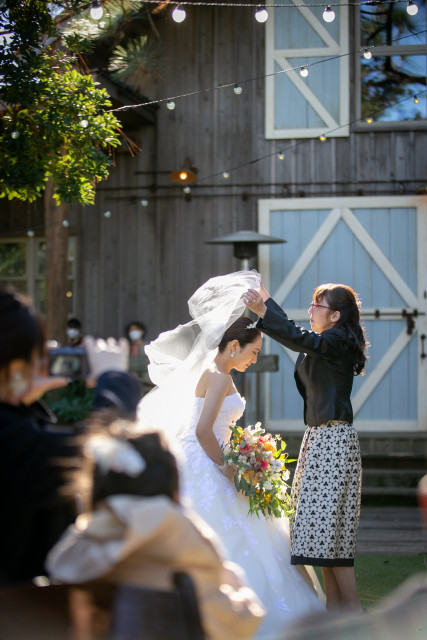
point(217, 389)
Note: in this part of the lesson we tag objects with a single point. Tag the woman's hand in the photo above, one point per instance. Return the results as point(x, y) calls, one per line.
point(40, 385)
point(228, 471)
point(254, 300)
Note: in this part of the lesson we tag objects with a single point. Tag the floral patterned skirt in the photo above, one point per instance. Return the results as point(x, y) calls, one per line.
point(326, 496)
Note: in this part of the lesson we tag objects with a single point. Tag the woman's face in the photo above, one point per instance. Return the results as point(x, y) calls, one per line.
point(321, 316)
point(247, 355)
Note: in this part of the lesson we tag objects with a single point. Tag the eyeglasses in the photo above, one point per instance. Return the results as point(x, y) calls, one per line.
point(314, 304)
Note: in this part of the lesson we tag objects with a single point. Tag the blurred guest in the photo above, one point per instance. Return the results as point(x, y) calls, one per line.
point(74, 333)
point(135, 332)
point(138, 360)
point(135, 532)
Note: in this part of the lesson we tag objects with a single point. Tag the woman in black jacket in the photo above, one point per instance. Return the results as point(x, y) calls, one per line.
point(327, 482)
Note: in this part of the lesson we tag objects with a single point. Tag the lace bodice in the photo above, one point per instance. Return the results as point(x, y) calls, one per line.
point(231, 410)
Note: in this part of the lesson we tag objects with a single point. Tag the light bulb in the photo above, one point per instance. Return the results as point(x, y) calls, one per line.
point(369, 120)
point(367, 54)
point(187, 189)
point(96, 11)
point(30, 233)
point(183, 175)
point(84, 123)
point(281, 155)
point(237, 89)
point(261, 15)
point(328, 14)
point(14, 135)
point(322, 138)
point(144, 202)
point(416, 99)
point(412, 8)
point(107, 214)
point(303, 72)
point(65, 223)
point(225, 174)
point(178, 14)
point(170, 104)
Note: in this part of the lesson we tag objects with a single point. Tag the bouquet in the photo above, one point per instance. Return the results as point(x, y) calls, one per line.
point(261, 474)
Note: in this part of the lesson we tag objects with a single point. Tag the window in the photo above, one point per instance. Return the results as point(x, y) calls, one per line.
point(392, 83)
point(306, 107)
point(23, 265)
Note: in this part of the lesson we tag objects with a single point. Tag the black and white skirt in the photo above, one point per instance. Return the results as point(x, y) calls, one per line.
point(326, 496)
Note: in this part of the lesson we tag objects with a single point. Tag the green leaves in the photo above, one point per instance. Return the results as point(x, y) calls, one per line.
point(56, 122)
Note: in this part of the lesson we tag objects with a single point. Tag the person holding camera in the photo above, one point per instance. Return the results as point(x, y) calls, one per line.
point(34, 455)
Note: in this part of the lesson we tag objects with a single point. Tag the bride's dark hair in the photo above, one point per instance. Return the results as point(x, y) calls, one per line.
point(239, 331)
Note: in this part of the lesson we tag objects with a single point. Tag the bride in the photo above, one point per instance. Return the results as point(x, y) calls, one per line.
point(195, 402)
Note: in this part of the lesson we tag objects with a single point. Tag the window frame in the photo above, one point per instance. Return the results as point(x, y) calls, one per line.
point(382, 50)
point(32, 273)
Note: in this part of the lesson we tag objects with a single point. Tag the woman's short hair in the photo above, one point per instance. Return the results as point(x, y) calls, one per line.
point(159, 476)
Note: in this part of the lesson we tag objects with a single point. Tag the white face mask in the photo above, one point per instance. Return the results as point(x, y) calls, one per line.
point(73, 333)
point(135, 334)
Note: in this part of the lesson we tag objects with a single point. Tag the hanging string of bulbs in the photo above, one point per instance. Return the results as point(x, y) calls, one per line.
point(261, 14)
point(281, 154)
point(237, 88)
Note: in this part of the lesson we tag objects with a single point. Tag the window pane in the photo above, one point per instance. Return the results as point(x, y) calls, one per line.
point(388, 83)
point(12, 259)
point(390, 24)
point(41, 258)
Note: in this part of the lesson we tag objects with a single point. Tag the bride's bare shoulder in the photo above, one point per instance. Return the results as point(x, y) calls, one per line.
point(213, 378)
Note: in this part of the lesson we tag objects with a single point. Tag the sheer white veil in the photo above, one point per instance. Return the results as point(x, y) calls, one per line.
point(179, 357)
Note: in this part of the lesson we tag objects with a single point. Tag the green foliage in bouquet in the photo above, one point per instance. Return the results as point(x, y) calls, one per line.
point(259, 460)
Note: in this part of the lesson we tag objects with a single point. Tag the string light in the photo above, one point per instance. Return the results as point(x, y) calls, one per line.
point(170, 105)
point(30, 233)
point(14, 135)
point(268, 75)
point(412, 8)
point(237, 89)
point(303, 72)
point(369, 120)
point(107, 214)
point(281, 155)
point(96, 11)
point(65, 223)
point(225, 174)
point(328, 15)
point(367, 54)
point(84, 123)
point(416, 99)
point(187, 189)
point(322, 138)
point(261, 14)
point(144, 202)
point(179, 14)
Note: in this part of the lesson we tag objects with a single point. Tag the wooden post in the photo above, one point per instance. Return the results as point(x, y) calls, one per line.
point(56, 266)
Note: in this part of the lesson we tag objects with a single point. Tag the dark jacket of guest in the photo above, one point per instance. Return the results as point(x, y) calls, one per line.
point(323, 370)
point(33, 512)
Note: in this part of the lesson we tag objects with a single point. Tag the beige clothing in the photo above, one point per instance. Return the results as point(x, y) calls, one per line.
point(142, 542)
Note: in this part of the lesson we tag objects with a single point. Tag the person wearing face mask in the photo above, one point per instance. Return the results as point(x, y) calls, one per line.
point(74, 333)
point(138, 360)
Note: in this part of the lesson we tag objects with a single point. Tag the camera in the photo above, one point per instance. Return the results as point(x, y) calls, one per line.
point(70, 362)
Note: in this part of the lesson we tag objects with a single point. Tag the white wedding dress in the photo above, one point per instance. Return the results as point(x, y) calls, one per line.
point(259, 545)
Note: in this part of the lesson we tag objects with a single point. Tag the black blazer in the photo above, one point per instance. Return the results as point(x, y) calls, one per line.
point(324, 368)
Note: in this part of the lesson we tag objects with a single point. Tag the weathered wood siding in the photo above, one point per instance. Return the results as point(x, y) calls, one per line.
point(145, 262)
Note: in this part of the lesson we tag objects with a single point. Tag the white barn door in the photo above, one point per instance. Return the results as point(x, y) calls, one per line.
point(378, 246)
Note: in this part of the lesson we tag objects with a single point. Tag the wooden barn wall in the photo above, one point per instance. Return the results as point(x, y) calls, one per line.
point(144, 262)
